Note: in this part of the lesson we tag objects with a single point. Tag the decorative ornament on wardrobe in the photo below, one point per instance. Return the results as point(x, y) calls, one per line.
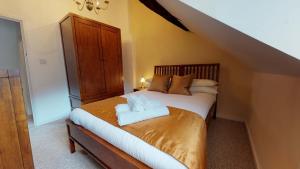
point(95, 5)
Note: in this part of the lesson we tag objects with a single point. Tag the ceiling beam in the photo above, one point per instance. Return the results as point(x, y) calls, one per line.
point(160, 10)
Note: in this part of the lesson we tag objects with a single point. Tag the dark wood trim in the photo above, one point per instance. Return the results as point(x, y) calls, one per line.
point(215, 108)
point(71, 141)
point(160, 10)
point(105, 153)
point(211, 114)
point(200, 71)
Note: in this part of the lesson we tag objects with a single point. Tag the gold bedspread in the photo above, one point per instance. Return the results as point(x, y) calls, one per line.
point(182, 134)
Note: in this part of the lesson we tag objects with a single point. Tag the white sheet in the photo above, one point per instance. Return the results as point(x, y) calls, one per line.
point(199, 103)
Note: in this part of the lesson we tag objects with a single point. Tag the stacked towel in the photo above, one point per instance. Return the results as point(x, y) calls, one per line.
point(131, 117)
point(141, 103)
point(139, 108)
point(136, 103)
point(120, 108)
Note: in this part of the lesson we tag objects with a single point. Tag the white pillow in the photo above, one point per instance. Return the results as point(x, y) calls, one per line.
point(203, 82)
point(204, 89)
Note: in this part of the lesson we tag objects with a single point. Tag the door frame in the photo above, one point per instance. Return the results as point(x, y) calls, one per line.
point(27, 65)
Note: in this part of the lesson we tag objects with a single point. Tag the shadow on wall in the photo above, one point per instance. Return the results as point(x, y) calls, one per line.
point(235, 93)
point(128, 66)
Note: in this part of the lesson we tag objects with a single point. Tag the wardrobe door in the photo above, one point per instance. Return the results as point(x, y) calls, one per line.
point(70, 56)
point(90, 60)
point(112, 54)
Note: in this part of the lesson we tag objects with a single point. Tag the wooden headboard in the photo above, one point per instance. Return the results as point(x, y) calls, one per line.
point(201, 71)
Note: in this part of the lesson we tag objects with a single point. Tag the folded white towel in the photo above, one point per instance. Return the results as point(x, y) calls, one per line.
point(135, 103)
point(150, 104)
point(131, 117)
point(122, 108)
point(141, 103)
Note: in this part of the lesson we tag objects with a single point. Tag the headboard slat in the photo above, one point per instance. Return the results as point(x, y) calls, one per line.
point(201, 71)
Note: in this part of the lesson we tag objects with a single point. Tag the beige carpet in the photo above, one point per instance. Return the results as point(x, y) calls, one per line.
point(228, 147)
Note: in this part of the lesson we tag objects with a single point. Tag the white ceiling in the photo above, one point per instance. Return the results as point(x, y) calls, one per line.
point(257, 55)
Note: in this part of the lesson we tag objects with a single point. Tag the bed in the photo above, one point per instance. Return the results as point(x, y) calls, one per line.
point(110, 146)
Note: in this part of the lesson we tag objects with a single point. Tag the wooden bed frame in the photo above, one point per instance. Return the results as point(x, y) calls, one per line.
point(108, 155)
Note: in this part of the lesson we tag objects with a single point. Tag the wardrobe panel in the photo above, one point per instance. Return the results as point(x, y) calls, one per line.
point(93, 59)
point(70, 56)
point(111, 46)
point(91, 69)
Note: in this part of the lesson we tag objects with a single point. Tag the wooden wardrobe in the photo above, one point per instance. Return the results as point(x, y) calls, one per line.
point(93, 59)
point(15, 148)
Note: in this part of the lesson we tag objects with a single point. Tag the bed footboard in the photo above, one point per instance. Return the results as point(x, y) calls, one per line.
point(103, 152)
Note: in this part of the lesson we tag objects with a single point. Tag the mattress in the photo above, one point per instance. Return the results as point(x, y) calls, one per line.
point(199, 103)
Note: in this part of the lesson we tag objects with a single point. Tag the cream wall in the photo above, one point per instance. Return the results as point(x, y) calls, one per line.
point(40, 19)
point(274, 123)
point(157, 41)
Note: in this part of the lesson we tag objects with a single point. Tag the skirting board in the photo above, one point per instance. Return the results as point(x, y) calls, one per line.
point(254, 152)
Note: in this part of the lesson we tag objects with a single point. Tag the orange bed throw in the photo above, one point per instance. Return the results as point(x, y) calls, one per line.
point(182, 134)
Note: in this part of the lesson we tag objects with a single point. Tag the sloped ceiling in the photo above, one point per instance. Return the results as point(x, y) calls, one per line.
point(256, 54)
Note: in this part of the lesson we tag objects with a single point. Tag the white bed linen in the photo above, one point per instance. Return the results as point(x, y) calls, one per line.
point(199, 103)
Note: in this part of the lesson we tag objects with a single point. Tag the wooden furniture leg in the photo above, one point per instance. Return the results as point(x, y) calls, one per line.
point(215, 109)
point(72, 146)
point(71, 141)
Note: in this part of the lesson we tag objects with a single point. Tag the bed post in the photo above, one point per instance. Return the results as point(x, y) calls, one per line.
point(72, 146)
point(71, 141)
point(218, 80)
point(215, 108)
